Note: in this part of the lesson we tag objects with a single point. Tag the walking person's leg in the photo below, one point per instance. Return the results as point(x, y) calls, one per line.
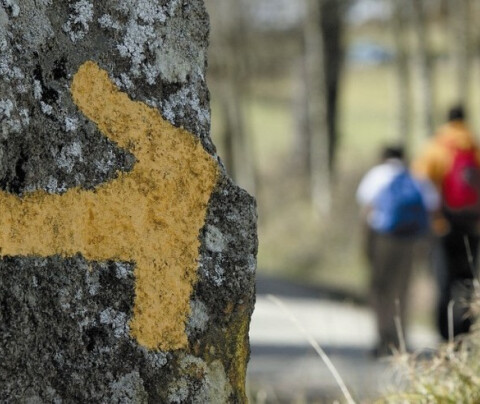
point(402, 269)
point(464, 249)
point(378, 291)
point(455, 261)
point(392, 269)
point(442, 278)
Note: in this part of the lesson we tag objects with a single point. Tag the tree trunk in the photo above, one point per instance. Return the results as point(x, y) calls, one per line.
point(317, 110)
point(301, 136)
point(460, 17)
point(239, 149)
point(331, 20)
point(402, 74)
point(332, 25)
point(233, 81)
point(125, 276)
point(424, 67)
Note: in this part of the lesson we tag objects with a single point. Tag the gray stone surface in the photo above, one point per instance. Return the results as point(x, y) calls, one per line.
point(155, 50)
point(64, 333)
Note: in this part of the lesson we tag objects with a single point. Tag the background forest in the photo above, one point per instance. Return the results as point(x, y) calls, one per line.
point(304, 93)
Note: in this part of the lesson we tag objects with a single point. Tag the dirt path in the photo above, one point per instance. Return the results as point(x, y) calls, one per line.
point(285, 368)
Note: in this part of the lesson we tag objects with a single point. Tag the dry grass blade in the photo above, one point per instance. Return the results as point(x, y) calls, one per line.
point(451, 375)
point(316, 346)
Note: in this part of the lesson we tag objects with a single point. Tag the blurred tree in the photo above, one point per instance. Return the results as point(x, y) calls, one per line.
point(315, 84)
point(317, 136)
point(332, 20)
point(301, 134)
point(461, 47)
point(252, 37)
point(402, 73)
point(229, 60)
point(423, 63)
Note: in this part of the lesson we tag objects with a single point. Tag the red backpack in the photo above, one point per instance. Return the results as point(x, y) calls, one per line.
point(461, 186)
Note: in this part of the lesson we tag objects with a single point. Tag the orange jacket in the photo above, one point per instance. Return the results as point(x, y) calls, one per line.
point(437, 157)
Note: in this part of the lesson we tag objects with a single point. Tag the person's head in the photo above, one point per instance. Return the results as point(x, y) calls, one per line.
point(393, 152)
point(456, 113)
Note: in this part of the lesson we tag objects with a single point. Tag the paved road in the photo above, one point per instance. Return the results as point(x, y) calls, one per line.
point(285, 368)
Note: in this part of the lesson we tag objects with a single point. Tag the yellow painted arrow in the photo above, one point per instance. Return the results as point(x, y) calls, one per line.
point(151, 215)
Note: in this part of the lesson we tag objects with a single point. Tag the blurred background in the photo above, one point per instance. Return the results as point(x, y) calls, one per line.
point(305, 92)
point(303, 95)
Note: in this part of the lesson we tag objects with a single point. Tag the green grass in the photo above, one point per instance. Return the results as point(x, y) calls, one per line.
point(367, 111)
point(270, 127)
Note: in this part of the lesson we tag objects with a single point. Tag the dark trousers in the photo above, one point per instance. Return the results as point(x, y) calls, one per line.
point(390, 260)
point(454, 272)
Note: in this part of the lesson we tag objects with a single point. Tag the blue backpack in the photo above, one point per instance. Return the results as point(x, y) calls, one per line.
point(399, 208)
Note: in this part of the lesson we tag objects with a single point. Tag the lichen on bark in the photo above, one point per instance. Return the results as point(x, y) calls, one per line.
point(65, 317)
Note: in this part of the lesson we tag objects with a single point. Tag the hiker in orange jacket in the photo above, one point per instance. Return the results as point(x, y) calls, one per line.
point(451, 160)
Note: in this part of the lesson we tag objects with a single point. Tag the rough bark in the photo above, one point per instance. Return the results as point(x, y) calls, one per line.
point(128, 255)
